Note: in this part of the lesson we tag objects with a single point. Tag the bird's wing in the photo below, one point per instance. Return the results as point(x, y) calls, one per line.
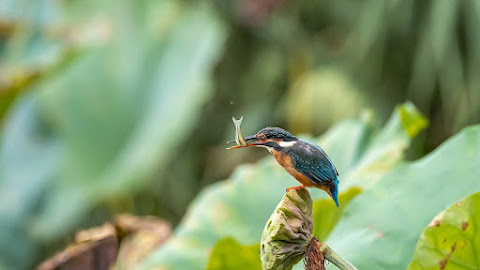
point(328, 159)
point(314, 163)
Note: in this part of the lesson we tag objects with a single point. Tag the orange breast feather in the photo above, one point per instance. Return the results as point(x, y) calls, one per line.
point(286, 163)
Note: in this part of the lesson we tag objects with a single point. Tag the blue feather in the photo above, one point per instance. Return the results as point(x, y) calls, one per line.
point(334, 192)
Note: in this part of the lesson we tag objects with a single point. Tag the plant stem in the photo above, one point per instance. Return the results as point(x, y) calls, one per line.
point(314, 261)
point(336, 259)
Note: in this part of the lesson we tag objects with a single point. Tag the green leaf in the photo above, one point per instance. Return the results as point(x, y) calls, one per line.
point(326, 215)
point(379, 229)
point(452, 239)
point(240, 206)
point(387, 150)
point(19, 188)
point(101, 128)
point(411, 119)
point(228, 254)
point(102, 165)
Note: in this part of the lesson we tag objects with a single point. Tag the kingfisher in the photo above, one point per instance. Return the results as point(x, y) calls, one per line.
point(306, 162)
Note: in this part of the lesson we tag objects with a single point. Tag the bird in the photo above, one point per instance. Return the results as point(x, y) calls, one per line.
point(305, 161)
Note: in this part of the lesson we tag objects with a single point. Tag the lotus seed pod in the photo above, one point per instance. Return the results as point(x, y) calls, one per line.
point(288, 231)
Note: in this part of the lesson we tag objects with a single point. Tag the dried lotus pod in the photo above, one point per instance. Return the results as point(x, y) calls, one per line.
point(288, 231)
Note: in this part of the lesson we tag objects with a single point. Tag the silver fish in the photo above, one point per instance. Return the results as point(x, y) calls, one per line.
point(238, 133)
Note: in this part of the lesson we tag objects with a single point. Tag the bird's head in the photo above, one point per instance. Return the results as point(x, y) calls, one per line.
point(272, 138)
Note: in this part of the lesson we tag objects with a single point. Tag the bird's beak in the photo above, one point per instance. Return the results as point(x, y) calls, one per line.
point(251, 140)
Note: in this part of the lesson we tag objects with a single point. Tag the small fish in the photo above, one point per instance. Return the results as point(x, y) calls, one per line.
point(238, 133)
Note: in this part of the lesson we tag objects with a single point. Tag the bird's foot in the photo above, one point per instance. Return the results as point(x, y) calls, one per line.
point(297, 188)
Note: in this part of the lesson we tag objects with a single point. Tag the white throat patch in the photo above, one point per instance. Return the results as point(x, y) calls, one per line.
point(270, 149)
point(287, 144)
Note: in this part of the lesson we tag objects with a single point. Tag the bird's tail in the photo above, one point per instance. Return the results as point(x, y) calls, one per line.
point(334, 192)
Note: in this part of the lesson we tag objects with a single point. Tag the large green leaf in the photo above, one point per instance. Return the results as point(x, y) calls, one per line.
point(326, 214)
point(452, 239)
point(20, 189)
point(379, 229)
point(101, 165)
point(240, 206)
point(102, 127)
point(229, 254)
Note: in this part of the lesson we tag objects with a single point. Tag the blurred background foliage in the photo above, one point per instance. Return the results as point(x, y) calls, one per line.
point(125, 106)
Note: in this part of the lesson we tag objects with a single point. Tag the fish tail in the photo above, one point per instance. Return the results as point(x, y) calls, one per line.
point(237, 122)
